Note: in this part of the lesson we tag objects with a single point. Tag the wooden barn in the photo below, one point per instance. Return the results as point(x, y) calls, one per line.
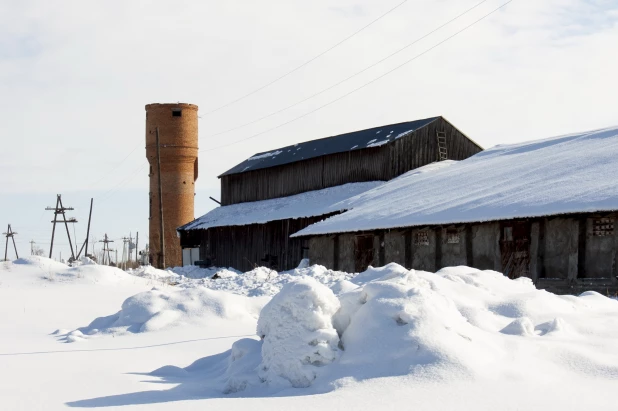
point(543, 209)
point(272, 195)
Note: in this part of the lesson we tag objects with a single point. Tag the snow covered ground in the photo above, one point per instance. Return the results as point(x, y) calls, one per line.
point(388, 338)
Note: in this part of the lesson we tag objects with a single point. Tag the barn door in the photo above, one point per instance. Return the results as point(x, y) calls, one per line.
point(515, 249)
point(363, 252)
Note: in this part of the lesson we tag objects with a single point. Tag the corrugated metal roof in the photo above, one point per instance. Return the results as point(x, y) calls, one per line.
point(357, 140)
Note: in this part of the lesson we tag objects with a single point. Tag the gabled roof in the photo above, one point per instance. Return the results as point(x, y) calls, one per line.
point(576, 173)
point(356, 140)
point(309, 204)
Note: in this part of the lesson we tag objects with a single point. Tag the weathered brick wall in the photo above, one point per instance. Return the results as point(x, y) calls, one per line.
point(178, 139)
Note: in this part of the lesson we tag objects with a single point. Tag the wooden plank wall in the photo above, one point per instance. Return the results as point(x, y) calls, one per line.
point(371, 164)
point(244, 247)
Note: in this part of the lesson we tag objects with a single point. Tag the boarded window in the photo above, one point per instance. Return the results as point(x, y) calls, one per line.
point(363, 252)
point(452, 236)
point(508, 234)
point(602, 227)
point(421, 238)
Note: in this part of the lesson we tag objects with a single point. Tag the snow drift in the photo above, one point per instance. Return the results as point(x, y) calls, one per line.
point(162, 308)
point(298, 333)
point(457, 324)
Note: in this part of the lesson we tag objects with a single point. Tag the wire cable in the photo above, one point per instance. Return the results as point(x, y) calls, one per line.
point(352, 76)
point(365, 84)
point(303, 64)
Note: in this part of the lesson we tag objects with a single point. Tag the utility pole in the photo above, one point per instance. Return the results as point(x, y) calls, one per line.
point(129, 249)
point(106, 249)
point(58, 210)
point(161, 236)
point(137, 248)
point(125, 240)
point(9, 234)
point(87, 233)
point(32, 247)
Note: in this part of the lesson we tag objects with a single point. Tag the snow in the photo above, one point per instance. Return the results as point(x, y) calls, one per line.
point(309, 204)
point(158, 309)
point(459, 324)
point(378, 143)
point(385, 338)
point(298, 334)
point(265, 155)
point(566, 174)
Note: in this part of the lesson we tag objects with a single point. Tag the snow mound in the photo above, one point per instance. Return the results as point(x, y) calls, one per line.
point(455, 325)
point(263, 281)
point(153, 273)
point(45, 264)
point(298, 333)
point(195, 272)
point(160, 309)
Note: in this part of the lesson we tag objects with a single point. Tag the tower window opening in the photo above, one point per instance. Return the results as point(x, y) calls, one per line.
point(176, 112)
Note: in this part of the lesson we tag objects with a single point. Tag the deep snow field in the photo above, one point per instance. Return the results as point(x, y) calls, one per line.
point(460, 339)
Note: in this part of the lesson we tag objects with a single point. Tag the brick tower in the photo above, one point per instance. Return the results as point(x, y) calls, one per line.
point(177, 125)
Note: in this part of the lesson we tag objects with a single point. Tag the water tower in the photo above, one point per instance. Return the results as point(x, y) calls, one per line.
point(177, 125)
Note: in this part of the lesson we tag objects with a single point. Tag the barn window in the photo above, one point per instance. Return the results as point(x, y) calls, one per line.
point(363, 252)
point(602, 227)
point(176, 112)
point(421, 238)
point(305, 248)
point(452, 236)
point(508, 233)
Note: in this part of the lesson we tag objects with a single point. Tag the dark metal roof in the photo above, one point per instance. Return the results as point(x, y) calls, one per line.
point(357, 140)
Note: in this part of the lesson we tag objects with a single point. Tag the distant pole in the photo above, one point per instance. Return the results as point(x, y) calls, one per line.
point(137, 248)
point(106, 250)
point(88, 230)
point(161, 236)
point(32, 247)
point(9, 234)
point(61, 209)
point(51, 246)
point(67, 227)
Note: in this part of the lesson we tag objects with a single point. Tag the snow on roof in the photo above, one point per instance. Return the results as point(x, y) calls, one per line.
point(309, 204)
point(566, 174)
point(356, 140)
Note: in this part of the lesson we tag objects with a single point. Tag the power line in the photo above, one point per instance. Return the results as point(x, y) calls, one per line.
point(363, 85)
point(305, 63)
point(116, 166)
point(109, 193)
point(349, 77)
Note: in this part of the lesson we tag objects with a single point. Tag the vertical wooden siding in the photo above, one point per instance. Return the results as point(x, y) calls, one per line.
point(371, 164)
point(244, 247)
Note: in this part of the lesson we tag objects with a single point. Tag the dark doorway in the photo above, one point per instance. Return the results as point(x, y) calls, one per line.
point(363, 252)
point(515, 248)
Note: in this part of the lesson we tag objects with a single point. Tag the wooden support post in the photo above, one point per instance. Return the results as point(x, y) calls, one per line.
point(161, 233)
point(88, 229)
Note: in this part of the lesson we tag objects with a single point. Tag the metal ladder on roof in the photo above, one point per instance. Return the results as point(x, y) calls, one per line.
point(442, 154)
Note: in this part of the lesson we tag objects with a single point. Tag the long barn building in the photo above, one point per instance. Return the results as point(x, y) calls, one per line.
point(544, 209)
point(274, 194)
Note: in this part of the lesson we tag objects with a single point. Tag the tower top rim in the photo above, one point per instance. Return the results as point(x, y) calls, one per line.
point(171, 105)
